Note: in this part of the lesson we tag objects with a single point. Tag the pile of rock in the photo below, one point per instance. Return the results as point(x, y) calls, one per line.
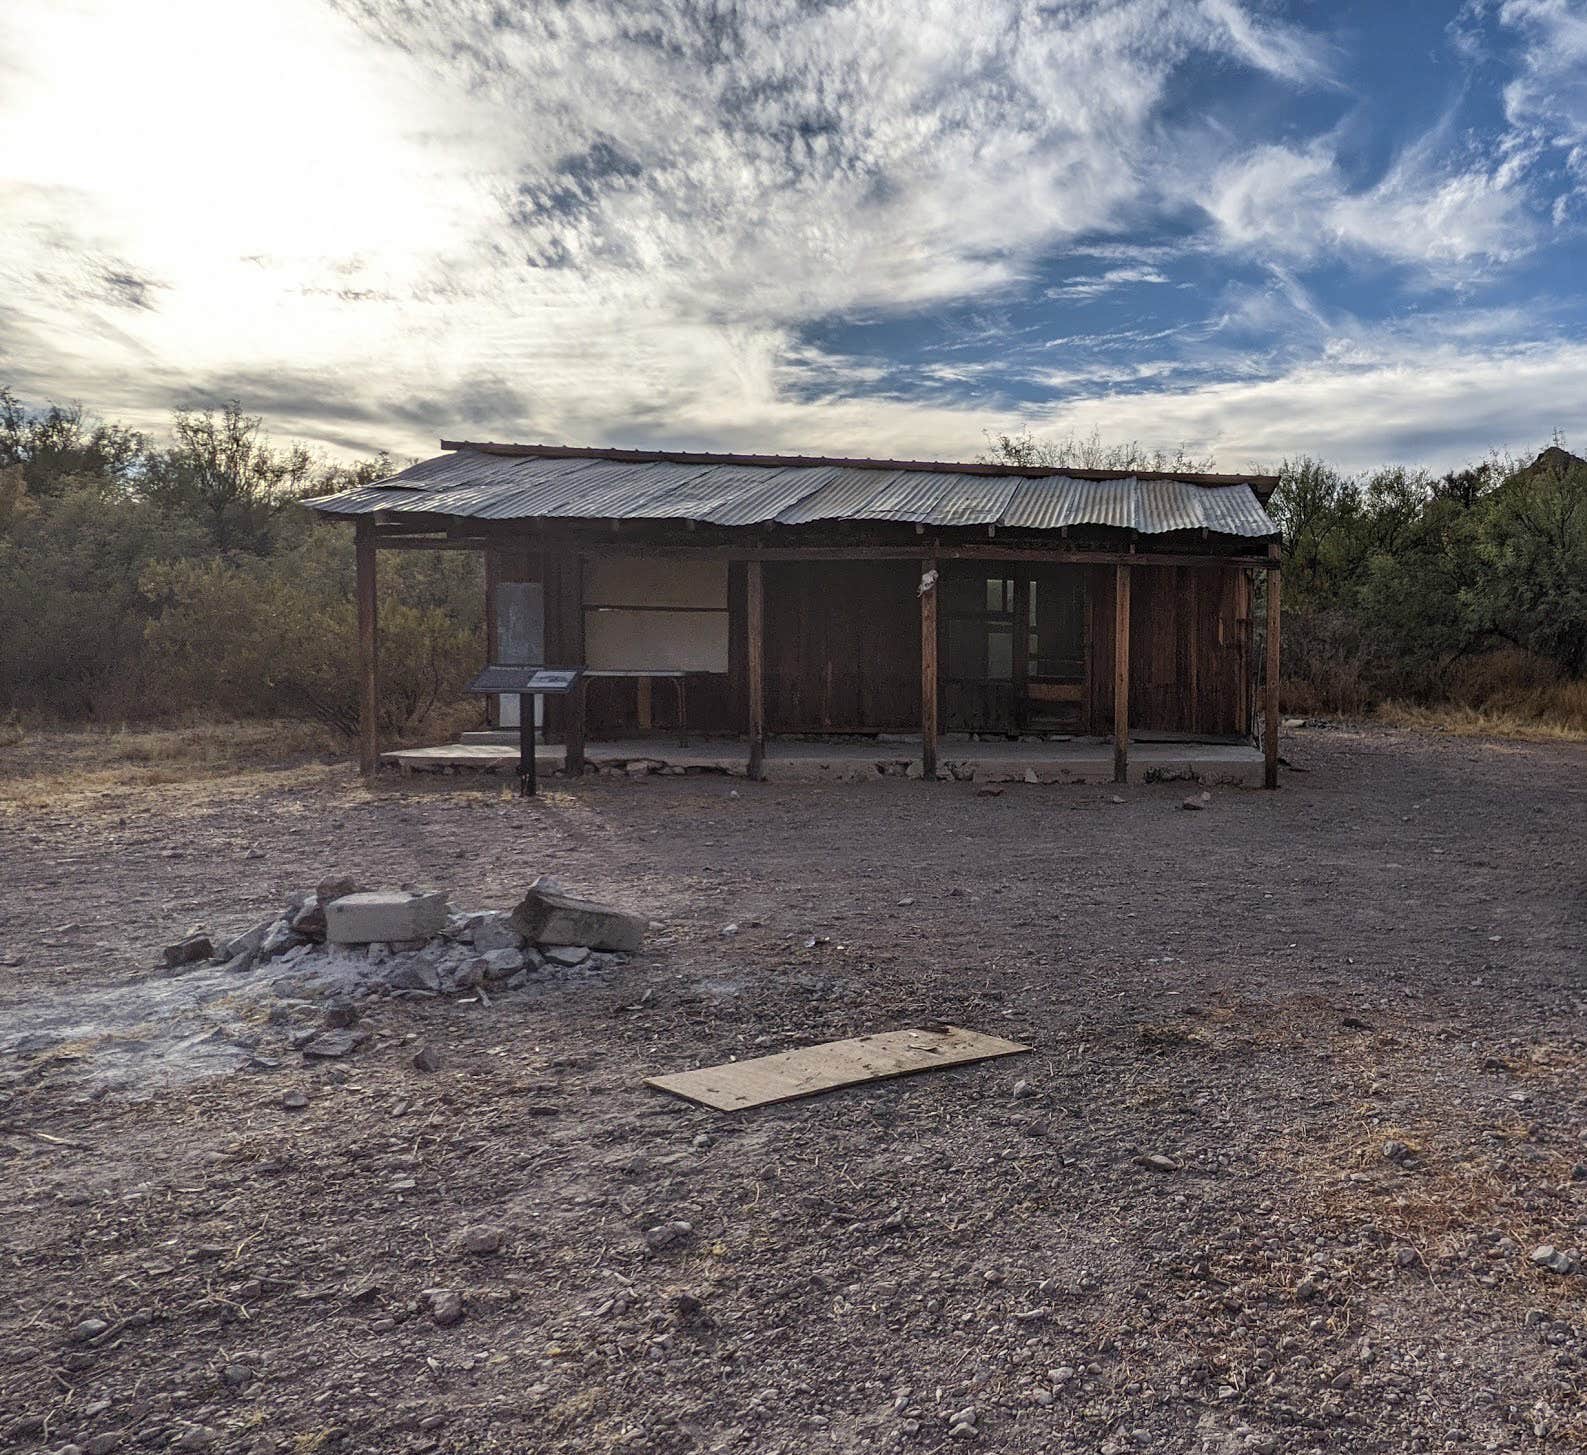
point(343, 941)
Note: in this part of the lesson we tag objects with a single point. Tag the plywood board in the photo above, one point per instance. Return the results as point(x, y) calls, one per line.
point(811, 1070)
point(655, 581)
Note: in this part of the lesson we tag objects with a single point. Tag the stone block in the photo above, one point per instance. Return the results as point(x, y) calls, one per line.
point(546, 917)
point(384, 915)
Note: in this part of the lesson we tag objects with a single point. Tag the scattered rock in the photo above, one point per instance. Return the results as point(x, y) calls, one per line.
point(88, 1329)
point(327, 1045)
point(446, 1306)
point(495, 931)
point(294, 1100)
point(309, 921)
point(340, 1014)
point(480, 1241)
point(499, 964)
point(565, 955)
point(546, 917)
point(664, 1235)
point(328, 889)
point(415, 976)
point(1023, 1090)
point(187, 950)
point(1554, 1260)
point(426, 1058)
point(248, 944)
point(278, 939)
point(1158, 1162)
point(1197, 801)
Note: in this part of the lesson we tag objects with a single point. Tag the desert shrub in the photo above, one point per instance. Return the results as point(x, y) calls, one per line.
point(71, 614)
point(278, 636)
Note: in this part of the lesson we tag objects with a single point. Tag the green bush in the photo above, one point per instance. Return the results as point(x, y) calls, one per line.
point(141, 582)
point(277, 636)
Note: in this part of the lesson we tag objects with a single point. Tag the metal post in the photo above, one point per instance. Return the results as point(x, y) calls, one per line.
point(526, 744)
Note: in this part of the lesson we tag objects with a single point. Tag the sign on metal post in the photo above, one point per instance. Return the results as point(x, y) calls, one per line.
point(528, 683)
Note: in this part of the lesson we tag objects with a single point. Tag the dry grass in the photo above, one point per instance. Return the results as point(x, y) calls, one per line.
point(1558, 715)
point(1505, 694)
point(53, 768)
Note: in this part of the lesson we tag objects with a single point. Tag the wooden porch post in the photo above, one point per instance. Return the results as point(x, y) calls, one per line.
point(493, 703)
point(1121, 673)
point(1270, 680)
point(755, 666)
point(928, 667)
point(368, 665)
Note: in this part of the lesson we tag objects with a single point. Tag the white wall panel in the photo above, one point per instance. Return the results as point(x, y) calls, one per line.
point(686, 641)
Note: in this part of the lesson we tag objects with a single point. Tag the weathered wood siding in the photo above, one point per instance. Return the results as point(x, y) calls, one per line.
point(842, 646)
point(843, 650)
point(1189, 650)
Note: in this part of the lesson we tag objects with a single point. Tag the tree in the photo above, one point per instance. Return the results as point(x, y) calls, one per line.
point(1088, 452)
point(221, 472)
point(60, 445)
point(1533, 549)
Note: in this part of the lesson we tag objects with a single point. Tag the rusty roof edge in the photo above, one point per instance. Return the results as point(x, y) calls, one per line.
point(1261, 484)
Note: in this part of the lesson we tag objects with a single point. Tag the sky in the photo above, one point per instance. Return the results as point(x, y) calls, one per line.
point(1252, 228)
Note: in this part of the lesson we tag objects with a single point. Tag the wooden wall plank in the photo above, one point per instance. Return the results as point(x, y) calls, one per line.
point(842, 646)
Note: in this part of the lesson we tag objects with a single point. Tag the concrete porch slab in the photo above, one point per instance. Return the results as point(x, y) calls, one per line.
point(1078, 760)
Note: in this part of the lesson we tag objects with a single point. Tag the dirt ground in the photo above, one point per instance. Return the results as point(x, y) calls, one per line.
point(1353, 1015)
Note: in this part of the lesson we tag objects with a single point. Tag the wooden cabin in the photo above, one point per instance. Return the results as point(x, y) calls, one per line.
point(765, 597)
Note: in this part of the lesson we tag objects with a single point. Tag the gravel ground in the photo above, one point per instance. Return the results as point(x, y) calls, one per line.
point(1347, 1021)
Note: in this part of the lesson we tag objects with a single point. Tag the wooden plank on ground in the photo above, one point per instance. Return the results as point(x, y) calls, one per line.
point(812, 1070)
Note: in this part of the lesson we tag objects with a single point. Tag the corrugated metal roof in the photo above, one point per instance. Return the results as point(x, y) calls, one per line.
point(478, 484)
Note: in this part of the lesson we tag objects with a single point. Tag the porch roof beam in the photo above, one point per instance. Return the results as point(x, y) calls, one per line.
point(1058, 554)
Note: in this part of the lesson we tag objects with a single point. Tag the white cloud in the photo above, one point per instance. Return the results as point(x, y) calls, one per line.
point(1440, 394)
point(621, 219)
point(1081, 287)
point(1280, 50)
point(1294, 203)
point(1548, 99)
point(379, 223)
